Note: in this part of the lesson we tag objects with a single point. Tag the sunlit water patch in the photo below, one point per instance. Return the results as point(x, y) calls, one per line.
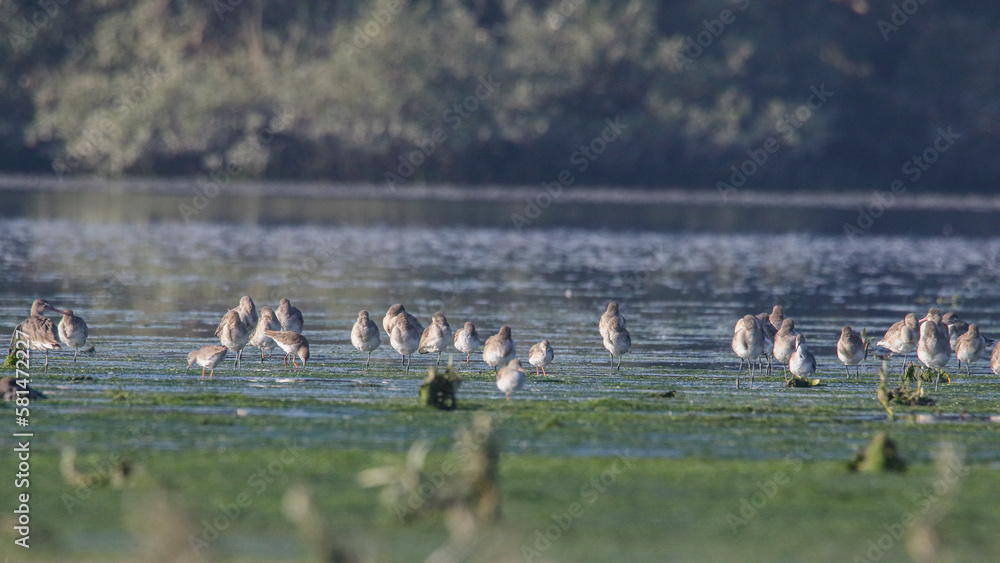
point(153, 293)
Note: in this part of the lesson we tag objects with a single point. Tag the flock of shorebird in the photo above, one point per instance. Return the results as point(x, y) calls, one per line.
point(935, 338)
point(771, 336)
point(282, 328)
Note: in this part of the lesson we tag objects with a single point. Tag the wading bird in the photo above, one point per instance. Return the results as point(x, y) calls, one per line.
point(499, 349)
point(540, 355)
point(511, 377)
point(435, 337)
point(289, 316)
point(405, 336)
point(39, 330)
point(365, 336)
point(850, 349)
point(467, 340)
point(233, 334)
point(72, 332)
point(259, 338)
point(208, 357)
point(294, 345)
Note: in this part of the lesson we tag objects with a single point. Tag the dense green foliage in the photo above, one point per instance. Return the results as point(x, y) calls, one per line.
point(477, 91)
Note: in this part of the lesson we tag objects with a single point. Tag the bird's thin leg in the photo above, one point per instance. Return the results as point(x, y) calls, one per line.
point(536, 371)
point(203, 372)
point(261, 355)
point(369, 361)
point(46, 370)
point(407, 365)
point(76, 353)
point(543, 372)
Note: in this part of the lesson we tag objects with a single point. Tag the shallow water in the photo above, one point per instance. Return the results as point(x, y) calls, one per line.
point(153, 289)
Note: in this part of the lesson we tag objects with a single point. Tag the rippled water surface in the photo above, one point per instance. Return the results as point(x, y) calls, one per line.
point(153, 290)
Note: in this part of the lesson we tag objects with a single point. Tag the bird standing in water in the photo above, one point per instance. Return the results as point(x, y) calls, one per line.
point(208, 357)
point(435, 337)
point(72, 332)
point(259, 338)
point(289, 317)
point(467, 340)
point(39, 330)
point(499, 349)
point(365, 336)
point(540, 355)
point(405, 336)
point(511, 377)
point(850, 349)
point(233, 334)
point(294, 345)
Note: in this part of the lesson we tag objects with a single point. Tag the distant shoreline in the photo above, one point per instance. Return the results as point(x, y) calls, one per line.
point(707, 196)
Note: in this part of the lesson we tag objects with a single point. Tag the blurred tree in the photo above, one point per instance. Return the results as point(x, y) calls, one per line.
point(500, 91)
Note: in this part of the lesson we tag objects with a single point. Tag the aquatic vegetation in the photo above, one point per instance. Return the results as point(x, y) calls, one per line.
point(878, 456)
point(114, 472)
point(10, 362)
point(796, 381)
point(465, 488)
point(439, 390)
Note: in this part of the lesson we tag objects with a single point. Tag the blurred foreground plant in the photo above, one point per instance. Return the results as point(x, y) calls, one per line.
point(467, 496)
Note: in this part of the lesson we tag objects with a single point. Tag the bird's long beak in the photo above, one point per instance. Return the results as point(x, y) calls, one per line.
point(190, 364)
point(53, 309)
